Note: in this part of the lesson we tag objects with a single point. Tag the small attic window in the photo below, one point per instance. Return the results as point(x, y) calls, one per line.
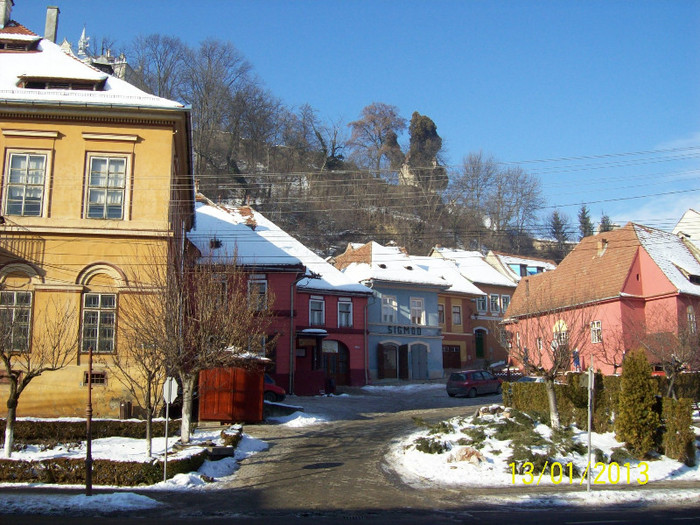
point(409, 267)
point(695, 279)
point(382, 266)
point(214, 243)
point(17, 46)
point(67, 84)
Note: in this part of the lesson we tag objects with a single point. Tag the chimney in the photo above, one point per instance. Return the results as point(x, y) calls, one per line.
point(51, 29)
point(5, 10)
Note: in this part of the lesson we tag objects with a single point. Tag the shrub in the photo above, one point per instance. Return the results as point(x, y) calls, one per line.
point(620, 455)
point(430, 445)
point(443, 427)
point(477, 435)
point(637, 421)
point(678, 440)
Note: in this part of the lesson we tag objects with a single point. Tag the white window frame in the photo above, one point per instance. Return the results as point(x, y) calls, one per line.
point(390, 309)
point(417, 311)
point(596, 332)
point(8, 184)
point(257, 293)
point(456, 314)
point(345, 318)
point(482, 304)
point(538, 344)
point(104, 309)
point(505, 301)
point(692, 321)
point(317, 300)
point(495, 303)
point(19, 316)
point(123, 189)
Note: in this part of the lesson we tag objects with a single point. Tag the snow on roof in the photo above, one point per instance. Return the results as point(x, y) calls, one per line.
point(473, 266)
point(516, 259)
point(51, 62)
point(391, 264)
point(672, 256)
point(250, 238)
point(449, 272)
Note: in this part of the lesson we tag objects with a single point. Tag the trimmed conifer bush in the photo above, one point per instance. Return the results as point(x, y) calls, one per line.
point(678, 439)
point(637, 422)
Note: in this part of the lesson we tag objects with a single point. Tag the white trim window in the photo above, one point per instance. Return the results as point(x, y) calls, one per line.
point(25, 183)
point(457, 315)
point(15, 319)
point(417, 311)
point(538, 344)
point(692, 323)
point(257, 293)
point(99, 322)
point(596, 332)
point(481, 304)
point(495, 303)
point(344, 312)
point(317, 311)
point(105, 193)
point(505, 301)
point(390, 309)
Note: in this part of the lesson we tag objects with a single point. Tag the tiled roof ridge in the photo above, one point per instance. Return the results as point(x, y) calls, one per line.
point(15, 28)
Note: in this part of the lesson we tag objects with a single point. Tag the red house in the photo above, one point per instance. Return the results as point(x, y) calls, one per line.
point(635, 287)
point(320, 325)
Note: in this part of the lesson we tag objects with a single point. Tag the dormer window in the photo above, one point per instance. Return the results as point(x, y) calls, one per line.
point(214, 243)
point(62, 83)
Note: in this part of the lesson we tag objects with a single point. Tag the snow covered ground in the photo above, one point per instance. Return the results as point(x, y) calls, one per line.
point(418, 469)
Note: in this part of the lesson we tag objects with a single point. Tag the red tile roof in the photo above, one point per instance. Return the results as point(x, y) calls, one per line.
point(595, 270)
point(14, 28)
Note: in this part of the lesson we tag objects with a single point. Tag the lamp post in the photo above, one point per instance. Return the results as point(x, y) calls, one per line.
point(88, 413)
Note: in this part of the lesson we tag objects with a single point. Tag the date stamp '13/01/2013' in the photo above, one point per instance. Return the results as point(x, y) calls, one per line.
point(559, 473)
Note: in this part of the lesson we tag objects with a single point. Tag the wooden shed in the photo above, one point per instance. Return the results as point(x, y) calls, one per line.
point(231, 395)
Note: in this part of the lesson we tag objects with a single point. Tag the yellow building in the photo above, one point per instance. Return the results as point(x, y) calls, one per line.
point(95, 186)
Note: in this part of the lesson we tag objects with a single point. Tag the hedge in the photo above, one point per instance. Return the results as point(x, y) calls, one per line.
point(71, 471)
point(57, 431)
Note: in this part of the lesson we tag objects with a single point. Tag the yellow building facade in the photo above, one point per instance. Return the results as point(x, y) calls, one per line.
point(95, 189)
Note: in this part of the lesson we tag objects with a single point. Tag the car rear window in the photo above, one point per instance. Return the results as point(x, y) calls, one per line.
point(457, 377)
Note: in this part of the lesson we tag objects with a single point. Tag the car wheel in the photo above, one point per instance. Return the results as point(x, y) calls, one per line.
point(451, 395)
point(499, 389)
point(472, 392)
point(270, 396)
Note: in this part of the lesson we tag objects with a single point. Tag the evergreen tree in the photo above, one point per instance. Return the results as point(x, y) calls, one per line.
point(606, 224)
point(559, 228)
point(585, 226)
point(636, 422)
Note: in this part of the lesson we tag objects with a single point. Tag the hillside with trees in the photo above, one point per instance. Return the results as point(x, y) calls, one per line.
point(330, 182)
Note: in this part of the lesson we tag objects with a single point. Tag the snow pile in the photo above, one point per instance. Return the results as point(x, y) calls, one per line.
point(471, 454)
point(80, 504)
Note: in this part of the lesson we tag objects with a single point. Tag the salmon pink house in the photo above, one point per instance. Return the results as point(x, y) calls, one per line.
point(319, 326)
point(615, 292)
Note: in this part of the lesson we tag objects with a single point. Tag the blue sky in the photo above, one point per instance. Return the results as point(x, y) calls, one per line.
point(609, 88)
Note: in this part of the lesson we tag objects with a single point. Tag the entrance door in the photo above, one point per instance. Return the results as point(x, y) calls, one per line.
point(336, 364)
point(387, 361)
point(419, 361)
point(480, 340)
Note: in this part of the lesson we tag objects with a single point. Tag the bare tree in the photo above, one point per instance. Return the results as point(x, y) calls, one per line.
point(202, 314)
point(544, 340)
point(139, 365)
point(374, 137)
point(26, 355)
point(158, 62)
point(670, 339)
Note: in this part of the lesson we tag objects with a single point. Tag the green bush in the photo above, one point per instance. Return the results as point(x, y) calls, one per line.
point(637, 420)
point(678, 439)
point(443, 427)
point(430, 445)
